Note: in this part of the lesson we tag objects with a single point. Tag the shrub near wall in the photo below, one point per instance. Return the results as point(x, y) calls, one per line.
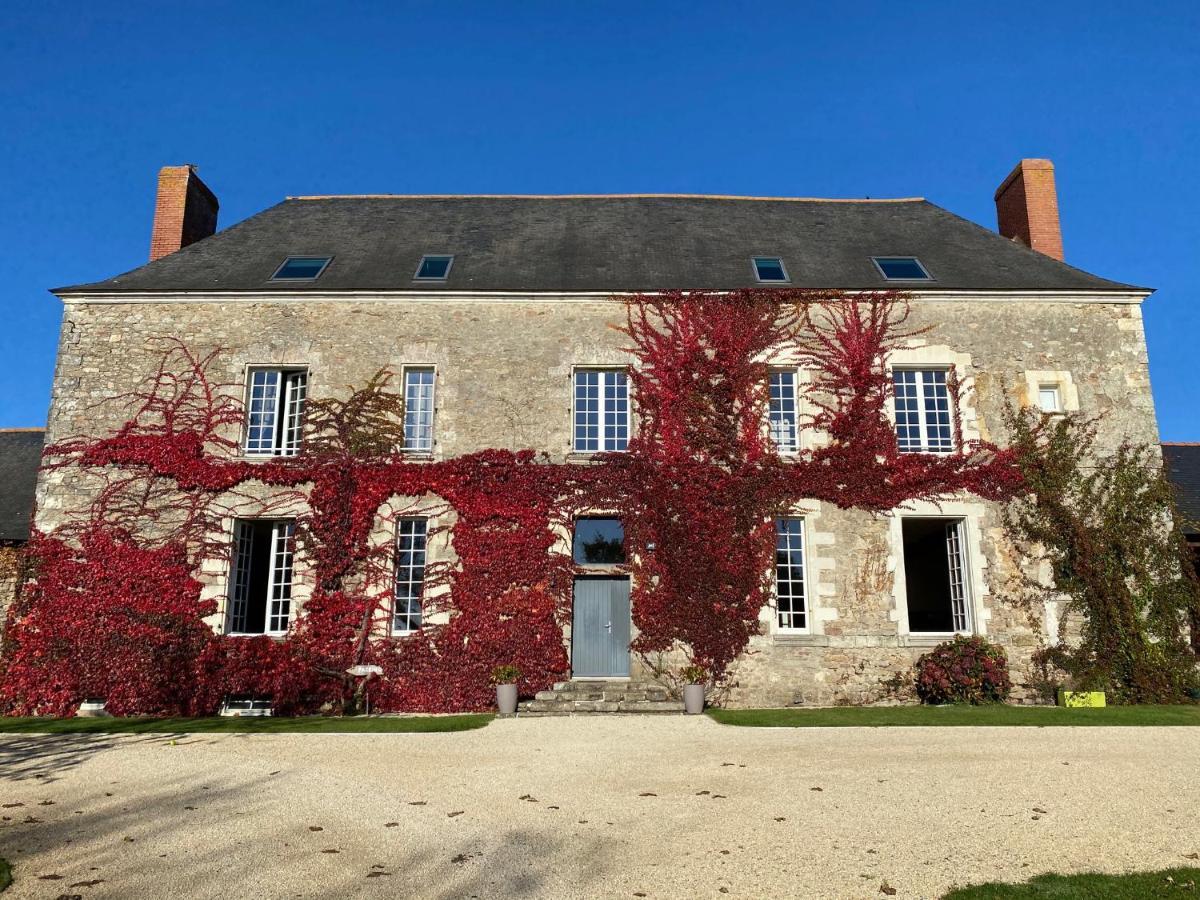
point(964, 670)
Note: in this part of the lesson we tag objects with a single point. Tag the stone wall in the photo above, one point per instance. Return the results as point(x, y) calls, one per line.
point(504, 380)
point(11, 574)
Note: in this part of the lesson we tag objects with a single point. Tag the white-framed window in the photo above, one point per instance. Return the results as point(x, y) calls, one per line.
point(1050, 398)
point(601, 410)
point(275, 411)
point(260, 591)
point(936, 575)
point(412, 536)
point(791, 595)
point(418, 408)
point(782, 411)
point(923, 420)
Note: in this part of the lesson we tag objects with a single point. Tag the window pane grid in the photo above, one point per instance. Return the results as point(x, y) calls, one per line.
point(418, 410)
point(922, 400)
point(790, 599)
point(958, 588)
point(781, 412)
point(280, 590)
point(296, 384)
point(601, 411)
point(275, 411)
point(411, 539)
point(239, 595)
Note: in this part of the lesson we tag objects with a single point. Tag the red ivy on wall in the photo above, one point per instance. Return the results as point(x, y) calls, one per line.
point(115, 607)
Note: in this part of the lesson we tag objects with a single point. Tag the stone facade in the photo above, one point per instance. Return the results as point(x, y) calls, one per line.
point(503, 380)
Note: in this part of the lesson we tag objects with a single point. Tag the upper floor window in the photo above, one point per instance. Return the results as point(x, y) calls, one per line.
point(1050, 398)
point(601, 410)
point(418, 409)
point(781, 411)
point(275, 411)
point(434, 268)
point(901, 268)
point(301, 268)
point(791, 599)
point(769, 269)
point(411, 539)
point(923, 423)
point(260, 591)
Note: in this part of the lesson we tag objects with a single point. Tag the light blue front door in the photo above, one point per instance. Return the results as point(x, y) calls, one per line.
point(600, 628)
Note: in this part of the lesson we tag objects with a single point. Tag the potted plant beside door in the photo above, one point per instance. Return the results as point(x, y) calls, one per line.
point(505, 678)
point(693, 678)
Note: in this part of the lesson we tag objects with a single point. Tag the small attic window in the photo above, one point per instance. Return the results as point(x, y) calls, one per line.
point(901, 268)
point(301, 268)
point(769, 269)
point(433, 268)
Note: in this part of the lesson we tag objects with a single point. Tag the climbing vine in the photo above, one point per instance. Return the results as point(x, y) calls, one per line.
point(116, 605)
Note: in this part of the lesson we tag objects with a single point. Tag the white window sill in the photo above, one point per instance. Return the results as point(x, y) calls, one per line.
point(801, 638)
point(931, 638)
point(254, 634)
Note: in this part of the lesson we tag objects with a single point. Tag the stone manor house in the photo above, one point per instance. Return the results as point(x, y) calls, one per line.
point(494, 311)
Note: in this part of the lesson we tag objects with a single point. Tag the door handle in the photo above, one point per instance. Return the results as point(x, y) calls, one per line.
point(608, 625)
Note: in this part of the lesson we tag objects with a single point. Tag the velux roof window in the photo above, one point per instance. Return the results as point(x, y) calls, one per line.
point(433, 268)
point(901, 268)
point(301, 268)
point(768, 269)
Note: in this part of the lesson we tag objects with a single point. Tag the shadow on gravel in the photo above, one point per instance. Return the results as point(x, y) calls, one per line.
point(47, 756)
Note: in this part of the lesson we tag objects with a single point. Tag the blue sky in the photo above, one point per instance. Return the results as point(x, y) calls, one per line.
point(805, 99)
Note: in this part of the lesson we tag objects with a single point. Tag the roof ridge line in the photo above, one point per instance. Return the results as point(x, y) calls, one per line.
point(600, 197)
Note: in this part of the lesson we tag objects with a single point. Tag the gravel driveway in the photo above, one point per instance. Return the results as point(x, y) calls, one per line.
point(591, 807)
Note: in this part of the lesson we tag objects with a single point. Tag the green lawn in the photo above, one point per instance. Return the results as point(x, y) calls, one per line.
point(1168, 883)
point(298, 725)
point(996, 714)
point(5, 874)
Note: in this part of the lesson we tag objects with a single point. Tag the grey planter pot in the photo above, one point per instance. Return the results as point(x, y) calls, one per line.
point(693, 699)
point(506, 698)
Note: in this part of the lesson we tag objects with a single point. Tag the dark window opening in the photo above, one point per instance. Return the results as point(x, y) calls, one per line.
point(301, 268)
point(935, 575)
point(260, 591)
point(599, 542)
point(433, 268)
point(769, 268)
point(901, 268)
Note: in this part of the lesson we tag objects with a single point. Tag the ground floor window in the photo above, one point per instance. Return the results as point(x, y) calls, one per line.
point(411, 538)
point(935, 575)
point(260, 592)
point(791, 601)
point(598, 542)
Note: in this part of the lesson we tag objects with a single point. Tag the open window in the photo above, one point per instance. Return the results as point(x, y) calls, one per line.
point(599, 542)
point(275, 411)
point(260, 591)
point(936, 582)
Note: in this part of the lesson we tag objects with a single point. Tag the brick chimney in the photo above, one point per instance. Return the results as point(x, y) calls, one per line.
point(186, 211)
point(1027, 207)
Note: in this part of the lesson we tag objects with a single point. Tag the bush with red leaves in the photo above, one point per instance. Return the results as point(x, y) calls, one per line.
point(964, 670)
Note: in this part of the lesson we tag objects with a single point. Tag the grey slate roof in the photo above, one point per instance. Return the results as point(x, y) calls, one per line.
point(20, 457)
point(1182, 462)
point(601, 243)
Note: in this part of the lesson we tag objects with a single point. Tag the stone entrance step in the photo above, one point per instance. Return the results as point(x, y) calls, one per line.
point(587, 697)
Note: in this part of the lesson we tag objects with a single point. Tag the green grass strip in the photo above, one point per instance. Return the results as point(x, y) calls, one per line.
point(1137, 886)
point(996, 714)
point(253, 725)
point(5, 874)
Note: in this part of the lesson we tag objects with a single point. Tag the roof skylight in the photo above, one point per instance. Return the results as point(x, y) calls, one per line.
point(901, 268)
point(433, 268)
point(301, 268)
point(769, 269)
